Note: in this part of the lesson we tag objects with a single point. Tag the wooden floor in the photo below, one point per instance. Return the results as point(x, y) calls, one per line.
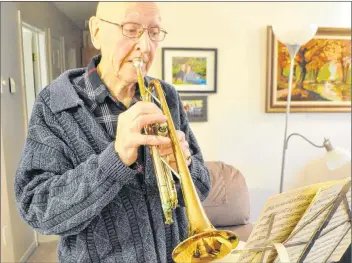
point(45, 253)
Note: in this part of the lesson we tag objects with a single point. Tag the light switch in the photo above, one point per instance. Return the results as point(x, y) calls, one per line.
point(12, 85)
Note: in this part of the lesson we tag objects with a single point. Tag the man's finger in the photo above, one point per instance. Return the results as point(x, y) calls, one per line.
point(180, 135)
point(186, 153)
point(143, 120)
point(165, 150)
point(150, 140)
point(184, 146)
point(142, 108)
point(172, 158)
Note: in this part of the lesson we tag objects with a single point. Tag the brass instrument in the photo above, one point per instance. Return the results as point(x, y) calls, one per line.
point(204, 242)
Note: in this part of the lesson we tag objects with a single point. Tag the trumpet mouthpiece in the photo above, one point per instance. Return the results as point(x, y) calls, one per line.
point(137, 62)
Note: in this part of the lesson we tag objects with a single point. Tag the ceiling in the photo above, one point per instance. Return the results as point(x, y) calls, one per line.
point(78, 12)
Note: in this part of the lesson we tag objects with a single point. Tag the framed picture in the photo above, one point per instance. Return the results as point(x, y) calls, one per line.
point(321, 75)
point(190, 69)
point(196, 108)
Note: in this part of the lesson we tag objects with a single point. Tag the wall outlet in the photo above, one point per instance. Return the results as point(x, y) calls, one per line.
point(12, 85)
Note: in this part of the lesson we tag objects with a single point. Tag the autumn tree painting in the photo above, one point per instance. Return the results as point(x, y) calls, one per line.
point(322, 71)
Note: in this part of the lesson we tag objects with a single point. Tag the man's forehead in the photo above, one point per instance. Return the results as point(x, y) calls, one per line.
point(114, 11)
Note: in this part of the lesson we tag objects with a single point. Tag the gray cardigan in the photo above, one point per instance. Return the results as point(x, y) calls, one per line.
point(71, 183)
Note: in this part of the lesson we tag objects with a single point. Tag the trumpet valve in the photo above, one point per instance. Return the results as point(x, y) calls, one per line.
point(162, 129)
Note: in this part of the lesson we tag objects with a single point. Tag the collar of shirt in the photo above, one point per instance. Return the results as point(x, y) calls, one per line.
point(100, 90)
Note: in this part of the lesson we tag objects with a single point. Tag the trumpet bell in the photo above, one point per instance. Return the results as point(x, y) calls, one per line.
point(205, 247)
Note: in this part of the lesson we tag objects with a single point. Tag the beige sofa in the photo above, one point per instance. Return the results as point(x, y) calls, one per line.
point(227, 205)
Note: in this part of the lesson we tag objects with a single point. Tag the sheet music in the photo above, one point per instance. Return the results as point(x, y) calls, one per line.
point(289, 208)
point(330, 236)
point(342, 247)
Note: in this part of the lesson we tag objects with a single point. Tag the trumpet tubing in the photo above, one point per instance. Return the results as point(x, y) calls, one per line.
point(204, 242)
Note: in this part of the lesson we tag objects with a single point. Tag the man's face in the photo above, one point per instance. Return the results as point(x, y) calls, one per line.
point(118, 51)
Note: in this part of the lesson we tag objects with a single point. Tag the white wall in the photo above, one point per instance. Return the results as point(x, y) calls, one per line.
point(7, 250)
point(242, 133)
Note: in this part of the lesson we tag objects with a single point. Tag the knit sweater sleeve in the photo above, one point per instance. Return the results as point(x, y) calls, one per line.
point(54, 195)
point(198, 170)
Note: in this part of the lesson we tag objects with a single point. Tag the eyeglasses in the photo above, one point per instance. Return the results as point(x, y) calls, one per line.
point(135, 31)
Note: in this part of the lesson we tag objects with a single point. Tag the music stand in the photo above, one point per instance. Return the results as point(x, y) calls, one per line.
point(330, 210)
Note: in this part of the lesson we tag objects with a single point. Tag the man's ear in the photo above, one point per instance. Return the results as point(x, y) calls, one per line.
point(94, 27)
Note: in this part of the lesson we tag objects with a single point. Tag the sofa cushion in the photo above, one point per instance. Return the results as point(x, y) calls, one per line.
point(228, 201)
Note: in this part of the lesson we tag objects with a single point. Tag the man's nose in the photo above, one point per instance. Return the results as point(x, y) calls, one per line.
point(144, 42)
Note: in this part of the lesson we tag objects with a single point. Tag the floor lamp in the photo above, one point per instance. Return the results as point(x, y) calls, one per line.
point(293, 39)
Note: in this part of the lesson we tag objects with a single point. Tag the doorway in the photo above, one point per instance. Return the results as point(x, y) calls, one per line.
point(35, 63)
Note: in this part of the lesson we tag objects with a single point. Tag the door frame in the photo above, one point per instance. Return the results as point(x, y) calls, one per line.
point(50, 53)
point(25, 119)
point(41, 53)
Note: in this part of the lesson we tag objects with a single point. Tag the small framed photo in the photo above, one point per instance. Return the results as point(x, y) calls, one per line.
point(196, 108)
point(190, 69)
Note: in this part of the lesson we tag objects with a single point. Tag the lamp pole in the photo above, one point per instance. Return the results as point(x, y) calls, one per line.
point(292, 50)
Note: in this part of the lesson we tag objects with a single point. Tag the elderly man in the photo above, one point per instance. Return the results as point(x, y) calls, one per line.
point(85, 172)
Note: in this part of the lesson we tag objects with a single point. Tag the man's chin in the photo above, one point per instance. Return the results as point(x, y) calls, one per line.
point(132, 79)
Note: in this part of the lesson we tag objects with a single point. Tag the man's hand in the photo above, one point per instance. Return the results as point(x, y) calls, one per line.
point(166, 150)
point(130, 124)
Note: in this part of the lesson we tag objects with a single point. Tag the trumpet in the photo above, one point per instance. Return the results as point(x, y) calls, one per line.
point(204, 242)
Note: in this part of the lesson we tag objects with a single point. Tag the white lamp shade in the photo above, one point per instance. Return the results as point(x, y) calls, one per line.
point(336, 158)
point(297, 35)
point(316, 171)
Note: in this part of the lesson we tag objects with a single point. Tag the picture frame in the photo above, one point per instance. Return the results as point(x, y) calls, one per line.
point(190, 70)
point(196, 108)
point(322, 73)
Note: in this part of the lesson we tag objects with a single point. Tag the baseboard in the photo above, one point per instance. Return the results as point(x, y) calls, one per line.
point(29, 252)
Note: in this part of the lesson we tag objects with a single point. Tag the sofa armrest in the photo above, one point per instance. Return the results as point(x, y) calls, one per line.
point(228, 201)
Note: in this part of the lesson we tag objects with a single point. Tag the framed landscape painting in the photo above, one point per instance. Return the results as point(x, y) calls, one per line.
point(196, 108)
point(190, 69)
point(321, 75)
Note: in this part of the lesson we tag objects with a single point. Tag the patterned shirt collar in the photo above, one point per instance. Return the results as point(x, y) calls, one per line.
point(100, 90)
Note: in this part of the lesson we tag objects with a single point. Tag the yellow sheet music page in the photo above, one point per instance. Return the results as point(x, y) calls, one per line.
point(288, 209)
